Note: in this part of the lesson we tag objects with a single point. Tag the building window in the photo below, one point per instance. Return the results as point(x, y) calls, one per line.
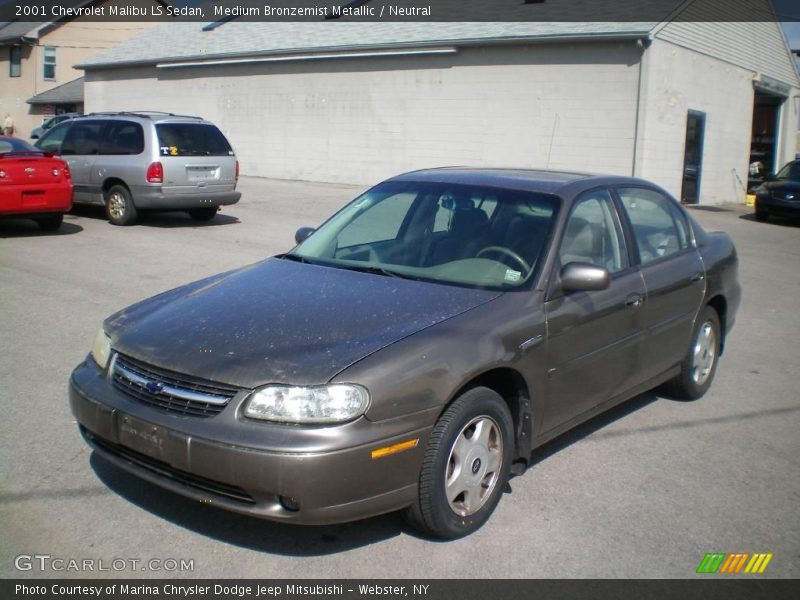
point(49, 63)
point(14, 61)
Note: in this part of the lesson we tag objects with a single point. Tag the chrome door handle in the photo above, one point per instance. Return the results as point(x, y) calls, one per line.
point(697, 277)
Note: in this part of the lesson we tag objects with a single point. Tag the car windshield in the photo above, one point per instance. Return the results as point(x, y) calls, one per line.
point(458, 234)
point(791, 171)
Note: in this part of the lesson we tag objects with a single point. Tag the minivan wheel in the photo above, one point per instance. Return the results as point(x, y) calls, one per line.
point(50, 223)
point(119, 206)
point(203, 214)
point(762, 215)
point(466, 466)
point(700, 363)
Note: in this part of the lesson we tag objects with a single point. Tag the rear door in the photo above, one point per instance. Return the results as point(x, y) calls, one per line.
point(196, 157)
point(673, 275)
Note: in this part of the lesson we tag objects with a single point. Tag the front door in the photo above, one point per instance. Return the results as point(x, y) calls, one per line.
point(594, 337)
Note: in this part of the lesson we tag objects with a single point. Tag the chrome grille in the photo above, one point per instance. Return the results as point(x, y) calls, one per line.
point(168, 391)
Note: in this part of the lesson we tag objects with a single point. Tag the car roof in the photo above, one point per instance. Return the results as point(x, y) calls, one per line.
point(563, 183)
point(154, 116)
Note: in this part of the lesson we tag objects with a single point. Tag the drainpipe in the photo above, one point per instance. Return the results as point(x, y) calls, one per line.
point(643, 44)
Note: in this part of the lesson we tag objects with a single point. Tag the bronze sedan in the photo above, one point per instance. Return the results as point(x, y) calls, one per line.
point(413, 350)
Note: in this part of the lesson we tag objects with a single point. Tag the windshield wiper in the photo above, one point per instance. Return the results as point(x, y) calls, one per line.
point(296, 258)
point(374, 270)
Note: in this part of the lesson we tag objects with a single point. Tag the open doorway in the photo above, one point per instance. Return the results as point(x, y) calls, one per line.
point(693, 157)
point(764, 140)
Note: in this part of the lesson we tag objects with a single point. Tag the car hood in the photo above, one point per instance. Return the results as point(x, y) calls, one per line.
point(281, 321)
point(781, 185)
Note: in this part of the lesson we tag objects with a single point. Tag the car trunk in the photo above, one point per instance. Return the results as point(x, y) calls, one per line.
point(30, 170)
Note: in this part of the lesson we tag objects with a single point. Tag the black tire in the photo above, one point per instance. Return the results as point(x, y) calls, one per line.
point(762, 215)
point(479, 409)
point(203, 214)
point(689, 385)
point(50, 223)
point(120, 209)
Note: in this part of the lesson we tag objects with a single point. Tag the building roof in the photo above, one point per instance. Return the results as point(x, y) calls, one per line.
point(27, 32)
point(188, 41)
point(67, 93)
point(19, 32)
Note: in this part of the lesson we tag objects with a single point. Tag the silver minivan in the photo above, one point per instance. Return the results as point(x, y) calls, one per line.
point(147, 161)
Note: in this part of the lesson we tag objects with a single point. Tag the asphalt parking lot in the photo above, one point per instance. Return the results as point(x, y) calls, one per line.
point(643, 491)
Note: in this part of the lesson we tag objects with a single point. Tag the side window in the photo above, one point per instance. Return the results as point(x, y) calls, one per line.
point(593, 234)
point(52, 140)
point(14, 61)
point(378, 223)
point(653, 217)
point(82, 138)
point(49, 65)
point(122, 137)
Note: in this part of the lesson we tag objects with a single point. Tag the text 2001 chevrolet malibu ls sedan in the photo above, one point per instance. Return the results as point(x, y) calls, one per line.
point(413, 350)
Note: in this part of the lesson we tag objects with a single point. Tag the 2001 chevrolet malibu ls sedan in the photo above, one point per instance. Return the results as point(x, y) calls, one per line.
point(413, 350)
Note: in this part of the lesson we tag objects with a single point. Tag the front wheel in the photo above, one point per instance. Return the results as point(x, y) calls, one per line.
point(700, 364)
point(762, 215)
point(119, 206)
point(466, 466)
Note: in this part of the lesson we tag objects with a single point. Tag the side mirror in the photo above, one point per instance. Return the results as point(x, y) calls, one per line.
point(584, 277)
point(301, 234)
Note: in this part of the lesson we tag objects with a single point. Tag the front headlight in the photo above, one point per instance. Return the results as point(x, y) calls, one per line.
point(333, 403)
point(101, 349)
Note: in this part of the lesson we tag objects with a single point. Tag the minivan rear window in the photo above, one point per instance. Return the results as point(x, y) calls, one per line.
point(191, 139)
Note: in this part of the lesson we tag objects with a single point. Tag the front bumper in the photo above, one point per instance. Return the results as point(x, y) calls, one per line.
point(331, 476)
point(777, 206)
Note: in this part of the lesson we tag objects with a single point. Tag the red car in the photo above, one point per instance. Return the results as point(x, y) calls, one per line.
point(33, 184)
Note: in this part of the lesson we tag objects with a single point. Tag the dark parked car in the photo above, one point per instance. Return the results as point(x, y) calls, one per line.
point(33, 184)
point(50, 123)
point(412, 351)
point(780, 193)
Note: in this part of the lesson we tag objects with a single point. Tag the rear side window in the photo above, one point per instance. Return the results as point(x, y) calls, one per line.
point(82, 138)
point(191, 139)
point(52, 140)
point(122, 137)
point(660, 229)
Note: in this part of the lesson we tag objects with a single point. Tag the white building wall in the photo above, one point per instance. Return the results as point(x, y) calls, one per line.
point(562, 106)
point(677, 80)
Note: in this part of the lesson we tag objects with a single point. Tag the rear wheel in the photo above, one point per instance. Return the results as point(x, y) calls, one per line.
point(466, 466)
point(50, 223)
point(762, 215)
point(203, 214)
point(700, 364)
point(119, 206)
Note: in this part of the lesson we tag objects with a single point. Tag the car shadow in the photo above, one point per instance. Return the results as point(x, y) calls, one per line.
point(168, 220)
point(591, 426)
point(307, 540)
point(156, 219)
point(19, 228)
point(773, 220)
point(244, 531)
